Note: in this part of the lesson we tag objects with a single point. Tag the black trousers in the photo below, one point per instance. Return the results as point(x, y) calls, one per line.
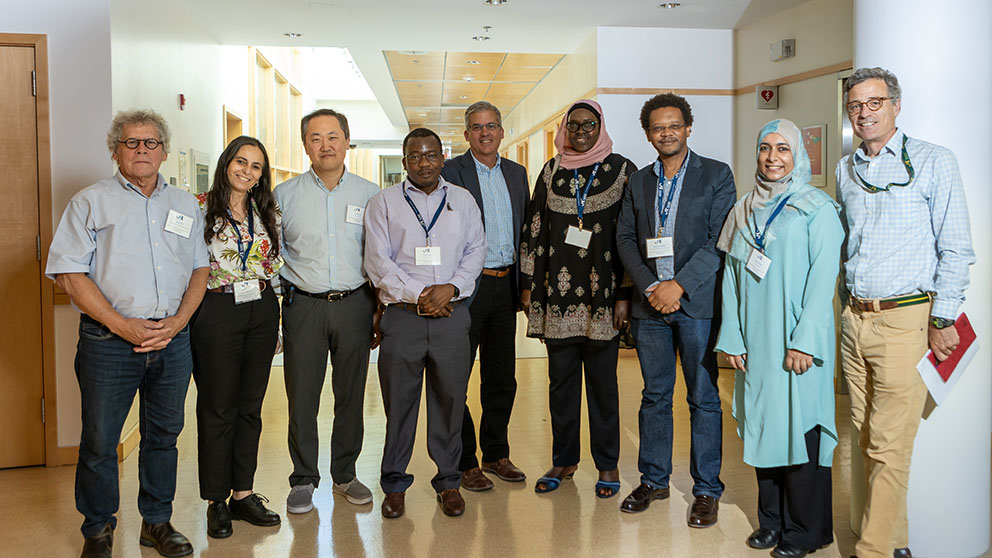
point(494, 325)
point(566, 361)
point(233, 345)
point(796, 500)
point(310, 328)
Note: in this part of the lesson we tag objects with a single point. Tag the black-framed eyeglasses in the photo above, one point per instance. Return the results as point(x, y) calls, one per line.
point(674, 128)
point(133, 143)
point(588, 125)
point(491, 126)
point(432, 156)
point(873, 104)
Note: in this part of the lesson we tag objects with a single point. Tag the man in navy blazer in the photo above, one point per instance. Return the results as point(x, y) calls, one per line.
point(669, 223)
point(500, 189)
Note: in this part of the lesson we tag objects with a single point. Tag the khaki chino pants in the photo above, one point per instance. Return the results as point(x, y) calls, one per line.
point(880, 351)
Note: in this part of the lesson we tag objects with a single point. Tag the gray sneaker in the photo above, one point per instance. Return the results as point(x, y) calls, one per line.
point(300, 499)
point(355, 492)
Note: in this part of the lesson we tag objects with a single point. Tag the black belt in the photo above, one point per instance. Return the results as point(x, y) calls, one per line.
point(329, 296)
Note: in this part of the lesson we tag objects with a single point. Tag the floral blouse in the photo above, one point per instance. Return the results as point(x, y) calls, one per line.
point(225, 262)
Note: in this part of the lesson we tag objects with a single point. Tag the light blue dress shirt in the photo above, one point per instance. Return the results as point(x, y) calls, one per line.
point(666, 266)
point(908, 239)
point(322, 251)
point(498, 214)
point(117, 236)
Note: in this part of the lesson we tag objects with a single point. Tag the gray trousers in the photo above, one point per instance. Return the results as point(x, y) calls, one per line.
point(411, 345)
point(312, 327)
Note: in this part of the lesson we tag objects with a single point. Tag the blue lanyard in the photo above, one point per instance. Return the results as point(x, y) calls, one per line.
point(759, 235)
point(667, 208)
point(427, 228)
point(244, 252)
point(580, 196)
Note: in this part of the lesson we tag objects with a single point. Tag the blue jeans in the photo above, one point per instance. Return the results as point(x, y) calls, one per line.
point(109, 374)
point(658, 340)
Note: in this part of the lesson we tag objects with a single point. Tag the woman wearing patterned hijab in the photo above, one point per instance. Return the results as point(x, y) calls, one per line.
point(573, 297)
point(783, 242)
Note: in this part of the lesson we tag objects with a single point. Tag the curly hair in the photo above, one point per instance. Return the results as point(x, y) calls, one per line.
point(665, 100)
point(137, 116)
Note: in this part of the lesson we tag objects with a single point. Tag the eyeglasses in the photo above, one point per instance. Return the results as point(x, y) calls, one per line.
point(132, 143)
point(674, 128)
point(476, 128)
point(432, 156)
point(873, 104)
point(588, 125)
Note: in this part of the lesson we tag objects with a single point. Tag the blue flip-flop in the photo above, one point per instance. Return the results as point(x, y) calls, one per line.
point(613, 486)
point(551, 483)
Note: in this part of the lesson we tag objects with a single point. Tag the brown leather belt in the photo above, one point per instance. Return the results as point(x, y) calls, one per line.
point(879, 304)
point(228, 289)
point(499, 273)
point(416, 309)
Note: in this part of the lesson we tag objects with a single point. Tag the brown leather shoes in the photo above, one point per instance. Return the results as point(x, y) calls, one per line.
point(504, 469)
point(100, 545)
point(703, 512)
point(392, 506)
point(165, 539)
point(475, 480)
point(452, 503)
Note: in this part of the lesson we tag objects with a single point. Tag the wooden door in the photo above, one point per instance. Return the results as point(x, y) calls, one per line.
point(22, 432)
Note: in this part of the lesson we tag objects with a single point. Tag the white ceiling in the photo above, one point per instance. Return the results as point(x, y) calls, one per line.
point(368, 27)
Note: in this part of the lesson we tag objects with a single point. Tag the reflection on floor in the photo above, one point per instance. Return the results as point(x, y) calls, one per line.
point(38, 514)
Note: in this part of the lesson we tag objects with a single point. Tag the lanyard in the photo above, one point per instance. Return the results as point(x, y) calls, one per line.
point(665, 209)
point(905, 162)
point(244, 252)
point(580, 195)
point(759, 235)
point(427, 228)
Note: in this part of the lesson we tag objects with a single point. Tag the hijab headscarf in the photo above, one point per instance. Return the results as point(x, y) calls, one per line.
point(767, 191)
point(572, 159)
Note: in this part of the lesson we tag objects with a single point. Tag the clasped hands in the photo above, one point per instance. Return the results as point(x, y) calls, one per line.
point(149, 335)
point(795, 361)
point(664, 296)
point(435, 301)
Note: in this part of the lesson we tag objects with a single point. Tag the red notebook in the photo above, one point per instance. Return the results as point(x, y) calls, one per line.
point(967, 334)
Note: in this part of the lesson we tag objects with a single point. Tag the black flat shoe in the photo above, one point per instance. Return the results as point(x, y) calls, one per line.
point(641, 498)
point(100, 545)
point(165, 539)
point(763, 538)
point(786, 549)
point(219, 520)
point(252, 509)
point(902, 553)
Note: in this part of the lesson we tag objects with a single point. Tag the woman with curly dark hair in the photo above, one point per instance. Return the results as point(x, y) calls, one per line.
point(235, 332)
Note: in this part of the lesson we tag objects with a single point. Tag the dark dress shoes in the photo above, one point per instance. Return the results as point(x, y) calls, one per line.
point(100, 545)
point(219, 520)
point(763, 538)
point(392, 506)
point(504, 469)
point(902, 553)
point(166, 540)
point(452, 503)
point(786, 549)
point(475, 480)
point(641, 498)
point(252, 509)
point(703, 512)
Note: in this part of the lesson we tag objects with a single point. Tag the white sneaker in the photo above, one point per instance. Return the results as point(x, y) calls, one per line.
point(300, 499)
point(355, 492)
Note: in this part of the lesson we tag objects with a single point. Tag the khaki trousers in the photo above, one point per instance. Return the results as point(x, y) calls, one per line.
point(879, 352)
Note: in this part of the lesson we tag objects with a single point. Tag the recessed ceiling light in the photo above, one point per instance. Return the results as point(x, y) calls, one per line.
point(481, 38)
point(494, 2)
point(473, 62)
point(293, 35)
point(468, 78)
point(423, 114)
point(463, 96)
point(669, 5)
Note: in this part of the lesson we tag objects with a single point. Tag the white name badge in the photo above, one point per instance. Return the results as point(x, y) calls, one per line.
point(428, 255)
point(178, 223)
point(661, 247)
point(247, 291)
point(758, 263)
point(355, 214)
point(578, 237)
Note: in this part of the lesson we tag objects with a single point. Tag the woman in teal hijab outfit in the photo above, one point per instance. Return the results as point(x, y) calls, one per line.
point(783, 244)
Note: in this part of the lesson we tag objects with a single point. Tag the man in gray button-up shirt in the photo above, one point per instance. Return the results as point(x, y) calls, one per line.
point(327, 306)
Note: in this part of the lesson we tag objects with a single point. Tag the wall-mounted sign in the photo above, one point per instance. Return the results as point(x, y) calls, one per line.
point(767, 96)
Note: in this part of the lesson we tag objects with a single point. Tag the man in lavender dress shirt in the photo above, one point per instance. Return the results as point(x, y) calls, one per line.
point(425, 246)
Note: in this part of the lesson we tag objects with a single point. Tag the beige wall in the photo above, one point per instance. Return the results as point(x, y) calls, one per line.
point(823, 30)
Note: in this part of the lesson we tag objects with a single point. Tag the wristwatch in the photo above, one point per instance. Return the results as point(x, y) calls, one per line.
point(458, 293)
point(940, 323)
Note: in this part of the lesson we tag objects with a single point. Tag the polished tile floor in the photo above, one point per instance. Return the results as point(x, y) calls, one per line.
point(40, 520)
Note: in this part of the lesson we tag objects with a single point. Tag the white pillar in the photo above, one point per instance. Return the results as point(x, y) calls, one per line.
point(942, 54)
